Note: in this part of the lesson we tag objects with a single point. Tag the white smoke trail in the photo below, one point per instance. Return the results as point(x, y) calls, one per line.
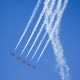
point(34, 13)
point(56, 24)
point(61, 62)
point(58, 50)
point(39, 19)
point(51, 21)
point(50, 10)
point(38, 47)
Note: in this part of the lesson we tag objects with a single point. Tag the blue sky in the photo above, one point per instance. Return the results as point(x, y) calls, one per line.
point(14, 15)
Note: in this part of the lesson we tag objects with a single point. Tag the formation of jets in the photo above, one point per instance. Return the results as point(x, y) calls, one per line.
point(23, 61)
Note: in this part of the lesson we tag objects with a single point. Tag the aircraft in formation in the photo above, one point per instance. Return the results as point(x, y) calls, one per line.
point(28, 64)
point(33, 67)
point(23, 61)
point(12, 54)
point(18, 58)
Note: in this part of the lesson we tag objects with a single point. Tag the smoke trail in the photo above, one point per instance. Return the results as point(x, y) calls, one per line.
point(56, 24)
point(38, 47)
point(41, 15)
point(54, 14)
point(58, 50)
point(34, 13)
point(50, 10)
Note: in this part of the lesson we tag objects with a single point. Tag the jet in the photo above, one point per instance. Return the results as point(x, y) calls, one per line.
point(33, 67)
point(12, 54)
point(23, 61)
point(18, 58)
point(28, 64)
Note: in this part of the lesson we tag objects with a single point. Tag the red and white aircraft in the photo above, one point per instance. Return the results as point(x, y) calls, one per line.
point(23, 61)
point(33, 67)
point(12, 54)
point(18, 58)
point(28, 64)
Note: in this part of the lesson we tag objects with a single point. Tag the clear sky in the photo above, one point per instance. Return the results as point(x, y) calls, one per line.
point(14, 15)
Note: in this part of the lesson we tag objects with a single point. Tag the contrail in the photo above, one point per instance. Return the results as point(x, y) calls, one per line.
point(38, 47)
point(34, 13)
point(41, 15)
point(50, 10)
point(56, 24)
point(54, 14)
point(61, 62)
point(58, 50)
